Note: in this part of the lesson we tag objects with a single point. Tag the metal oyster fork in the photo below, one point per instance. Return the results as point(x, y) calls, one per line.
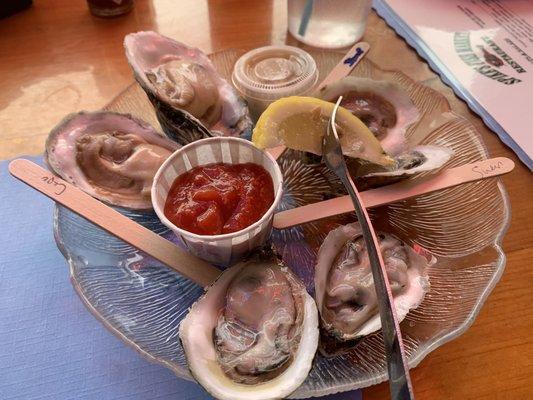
point(399, 379)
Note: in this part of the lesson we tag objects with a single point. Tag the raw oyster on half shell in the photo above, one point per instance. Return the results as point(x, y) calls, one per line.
point(111, 156)
point(254, 334)
point(191, 99)
point(423, 158)
point(344, 286)
point(384, 107)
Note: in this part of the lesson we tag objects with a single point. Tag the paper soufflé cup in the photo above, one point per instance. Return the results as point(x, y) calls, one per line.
point(225, 249)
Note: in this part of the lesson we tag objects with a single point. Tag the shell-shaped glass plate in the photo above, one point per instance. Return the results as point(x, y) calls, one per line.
point(142, 302)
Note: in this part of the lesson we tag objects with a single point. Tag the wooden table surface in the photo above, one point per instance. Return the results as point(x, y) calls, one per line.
point(55, 58)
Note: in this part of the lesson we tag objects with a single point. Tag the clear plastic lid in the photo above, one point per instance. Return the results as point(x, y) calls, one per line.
point(272, 72)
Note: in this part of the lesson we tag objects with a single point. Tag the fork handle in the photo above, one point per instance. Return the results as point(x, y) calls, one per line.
point(399, 379)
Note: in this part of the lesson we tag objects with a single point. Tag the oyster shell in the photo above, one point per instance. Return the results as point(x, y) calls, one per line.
point(383, 107)
point(254, 334)
point(344, 286)
point(191, 99)
point(111, 156)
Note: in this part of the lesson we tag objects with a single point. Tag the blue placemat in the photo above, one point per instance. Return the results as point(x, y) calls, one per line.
point(51, 347)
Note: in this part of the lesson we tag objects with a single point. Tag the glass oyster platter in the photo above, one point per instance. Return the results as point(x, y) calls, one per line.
point(143, 302)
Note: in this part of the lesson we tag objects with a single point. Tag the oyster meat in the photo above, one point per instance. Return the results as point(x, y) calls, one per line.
point(344, 286)
point(191, 99)
point(383, 107)
point(254, 334)
point(111, 156)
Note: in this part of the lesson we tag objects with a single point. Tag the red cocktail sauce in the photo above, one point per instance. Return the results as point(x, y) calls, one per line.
point(219, 198)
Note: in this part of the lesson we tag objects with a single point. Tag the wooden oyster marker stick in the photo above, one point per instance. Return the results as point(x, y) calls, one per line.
point(346, 65)
point(339, 71)
point(395, 192)
point(113, 222)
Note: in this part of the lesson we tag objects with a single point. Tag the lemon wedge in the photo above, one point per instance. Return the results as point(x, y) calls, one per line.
point(299, 123)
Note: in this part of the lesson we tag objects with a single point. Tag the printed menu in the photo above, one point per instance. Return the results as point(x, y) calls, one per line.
point(484, 50)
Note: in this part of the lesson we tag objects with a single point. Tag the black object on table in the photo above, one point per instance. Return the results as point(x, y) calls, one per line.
point(10, 7)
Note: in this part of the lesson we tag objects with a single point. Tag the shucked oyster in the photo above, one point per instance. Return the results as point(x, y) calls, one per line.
point(383, 106)
point(190, 97)
point(344, 286)
point(253, 335)
point(386, 109)
point(111, 156)
point(424, 158)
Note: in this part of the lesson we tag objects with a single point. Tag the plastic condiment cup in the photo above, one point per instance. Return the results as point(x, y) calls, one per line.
point(221, 250)
point(269, 73)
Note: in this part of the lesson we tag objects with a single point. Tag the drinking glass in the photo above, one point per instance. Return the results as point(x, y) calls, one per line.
point(109, 8)
point(328, 23)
